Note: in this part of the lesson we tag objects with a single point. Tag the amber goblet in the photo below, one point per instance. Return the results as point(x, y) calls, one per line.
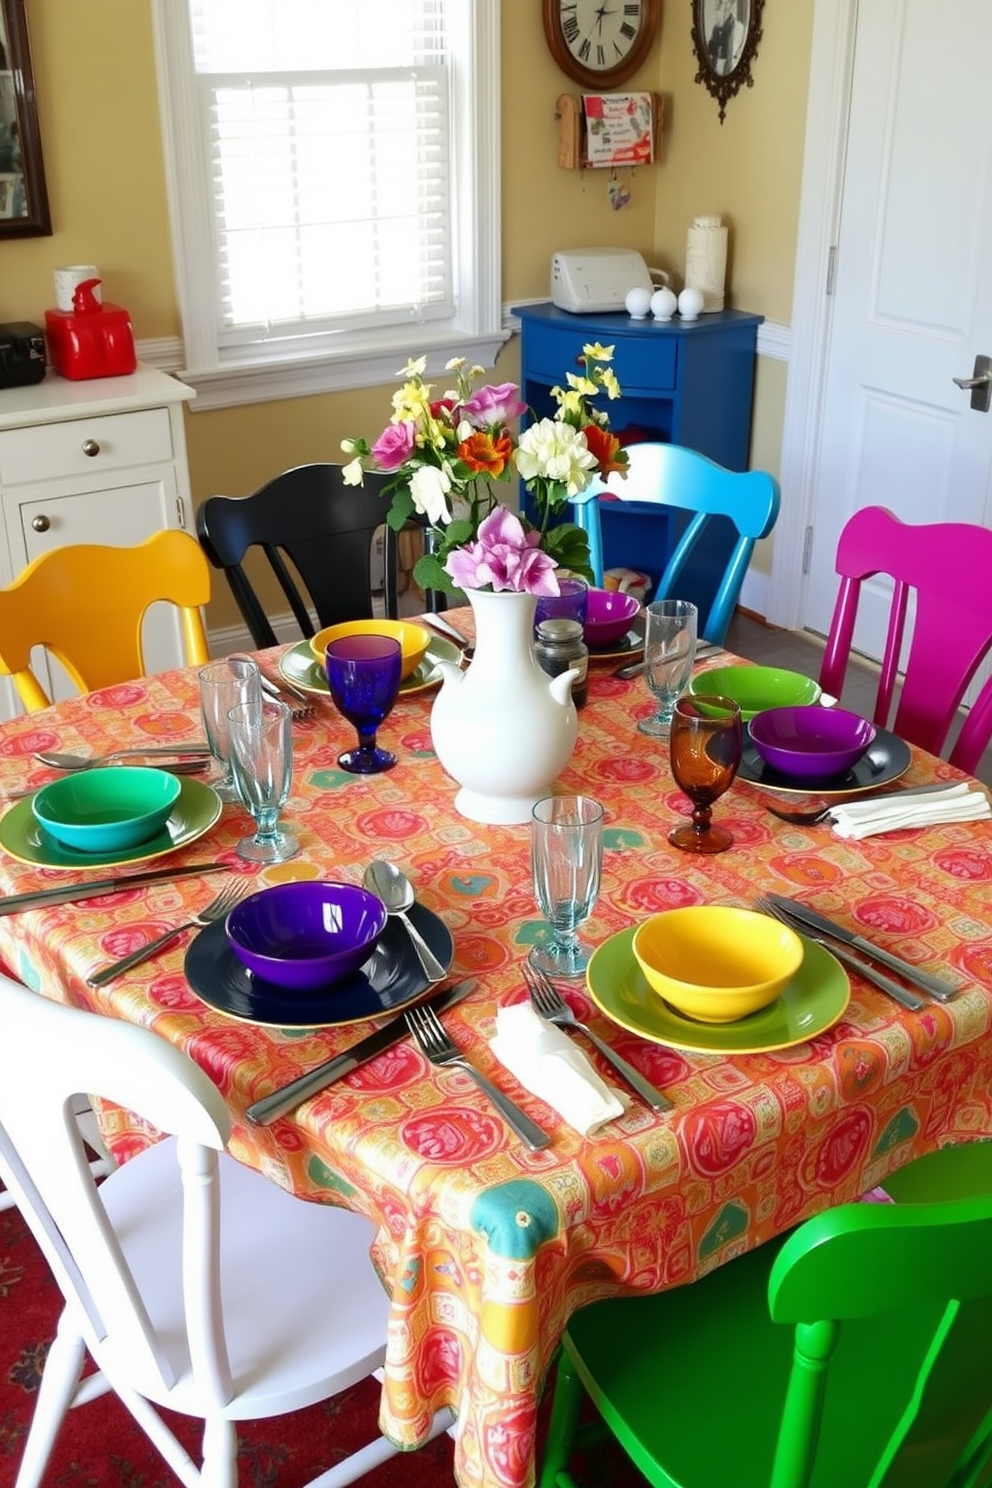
point(705, 744)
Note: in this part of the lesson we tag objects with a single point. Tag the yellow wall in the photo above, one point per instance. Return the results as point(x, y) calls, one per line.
point(95, 78)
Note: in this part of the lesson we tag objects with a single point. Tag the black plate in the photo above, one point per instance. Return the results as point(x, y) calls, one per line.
point(389, 980)
point(626, 648)
point(887, 759)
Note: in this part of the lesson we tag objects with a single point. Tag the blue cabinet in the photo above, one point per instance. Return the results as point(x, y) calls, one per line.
point(689, 384)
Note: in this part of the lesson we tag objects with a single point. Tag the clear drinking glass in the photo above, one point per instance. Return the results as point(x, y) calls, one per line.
point(363, 675)
point(566, 838)
point(669, 651)
point(261, 742)
point(223, 685)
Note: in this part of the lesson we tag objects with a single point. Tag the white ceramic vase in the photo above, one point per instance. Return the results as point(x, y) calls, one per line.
point(503, 729)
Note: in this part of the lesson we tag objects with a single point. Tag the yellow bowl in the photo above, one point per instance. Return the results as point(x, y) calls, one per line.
point(413, 639)
point(715, 963)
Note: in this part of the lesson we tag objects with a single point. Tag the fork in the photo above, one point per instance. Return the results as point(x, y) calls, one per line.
point(853, 963)
point(551, 1005)
point(302, 705)
point(814, 817)
point(433, 1041)
point(215, 910)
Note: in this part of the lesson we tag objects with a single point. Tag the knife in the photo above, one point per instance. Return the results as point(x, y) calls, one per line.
point(280, 1102)
point(878, 979)
point(934, 986)
point(68, 893)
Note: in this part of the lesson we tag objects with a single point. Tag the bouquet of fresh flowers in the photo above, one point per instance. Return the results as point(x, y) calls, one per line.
point(447, 455)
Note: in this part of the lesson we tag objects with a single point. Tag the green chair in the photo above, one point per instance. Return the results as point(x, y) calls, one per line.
point(854, 1353)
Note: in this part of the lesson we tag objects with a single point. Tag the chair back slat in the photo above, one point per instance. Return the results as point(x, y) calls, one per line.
point(744, 502)
point(942, 573)
point(864, 1261)
point(308, 526)
point(86, 604)
point(43, 1161)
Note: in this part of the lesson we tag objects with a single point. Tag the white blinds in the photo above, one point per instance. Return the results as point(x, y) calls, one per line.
point(328, 131)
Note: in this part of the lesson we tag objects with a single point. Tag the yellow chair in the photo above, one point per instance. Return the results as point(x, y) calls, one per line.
point(85, 604)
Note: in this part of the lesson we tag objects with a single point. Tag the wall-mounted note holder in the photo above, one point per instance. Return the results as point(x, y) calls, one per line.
point(593, 132)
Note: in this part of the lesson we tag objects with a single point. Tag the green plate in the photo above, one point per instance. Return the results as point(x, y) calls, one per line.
point(812, 1002)
point(23, 837)
point(299, 666)
point(757, 688)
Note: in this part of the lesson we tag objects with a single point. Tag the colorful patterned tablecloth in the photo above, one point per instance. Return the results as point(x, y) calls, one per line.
point(487, 1248)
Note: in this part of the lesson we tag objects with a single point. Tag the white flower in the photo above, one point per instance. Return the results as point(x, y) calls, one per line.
point(555, 451)
point(352, 473)
point(429, 488)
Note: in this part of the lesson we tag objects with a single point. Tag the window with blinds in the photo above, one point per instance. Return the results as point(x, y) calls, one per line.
point(323, 159)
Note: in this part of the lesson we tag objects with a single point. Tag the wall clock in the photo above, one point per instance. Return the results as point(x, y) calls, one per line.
point(600, 43)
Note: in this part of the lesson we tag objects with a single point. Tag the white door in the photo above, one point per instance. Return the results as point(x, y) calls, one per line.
point(912, 299)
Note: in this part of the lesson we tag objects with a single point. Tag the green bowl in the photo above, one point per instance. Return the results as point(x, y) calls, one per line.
point(757, 688)
point(107, 810)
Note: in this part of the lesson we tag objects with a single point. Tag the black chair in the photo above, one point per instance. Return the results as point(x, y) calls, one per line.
point(324, 527)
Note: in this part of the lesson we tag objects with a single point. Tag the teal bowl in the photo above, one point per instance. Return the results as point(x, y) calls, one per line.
point(758, 688)
point(107, 810)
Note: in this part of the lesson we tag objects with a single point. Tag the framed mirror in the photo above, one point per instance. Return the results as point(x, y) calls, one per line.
point(23, 196)
point(725, 36)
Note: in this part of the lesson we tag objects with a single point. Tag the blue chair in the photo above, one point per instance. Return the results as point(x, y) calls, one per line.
point(669, 475)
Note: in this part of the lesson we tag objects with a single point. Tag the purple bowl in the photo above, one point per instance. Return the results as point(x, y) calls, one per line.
point(608, 616)
point(305, 936)
point(811, 742)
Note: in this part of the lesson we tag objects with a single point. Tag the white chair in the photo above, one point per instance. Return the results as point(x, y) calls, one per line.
point(194, 1282)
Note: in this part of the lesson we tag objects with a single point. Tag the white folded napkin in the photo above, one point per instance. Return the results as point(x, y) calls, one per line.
point(957, 803)
point(548, 1064)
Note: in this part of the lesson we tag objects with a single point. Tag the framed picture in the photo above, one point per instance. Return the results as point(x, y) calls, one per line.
point(23, 196)
point(725, 36)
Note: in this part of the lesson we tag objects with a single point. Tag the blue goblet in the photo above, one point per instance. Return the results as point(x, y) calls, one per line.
point(363, 674)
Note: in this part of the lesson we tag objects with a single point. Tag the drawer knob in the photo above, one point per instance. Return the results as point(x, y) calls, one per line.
point(40, 524)
point(90, 447)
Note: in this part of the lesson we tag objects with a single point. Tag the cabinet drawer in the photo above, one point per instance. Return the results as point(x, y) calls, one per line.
point(647, 362)
point(114, 441)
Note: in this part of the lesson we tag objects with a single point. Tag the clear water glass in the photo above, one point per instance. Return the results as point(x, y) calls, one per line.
point(363, 677)
point(669, 652)
point(224, 685)
point(566, 838)
point(261, 743)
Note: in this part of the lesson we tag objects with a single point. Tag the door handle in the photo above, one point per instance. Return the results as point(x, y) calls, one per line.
point(979, 384)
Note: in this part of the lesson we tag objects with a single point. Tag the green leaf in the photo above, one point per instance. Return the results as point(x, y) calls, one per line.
point(429, 574)
point(568, 545)
point(402, 508)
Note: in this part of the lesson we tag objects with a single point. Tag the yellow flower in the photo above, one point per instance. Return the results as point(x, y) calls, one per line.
point(597, 352)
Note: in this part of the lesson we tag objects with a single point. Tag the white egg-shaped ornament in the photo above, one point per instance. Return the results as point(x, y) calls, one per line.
point(664, 303)
point(638, 302)
point(690, 303)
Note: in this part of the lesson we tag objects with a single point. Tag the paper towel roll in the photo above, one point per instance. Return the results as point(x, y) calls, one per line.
point(706, 260)
point(67, 281)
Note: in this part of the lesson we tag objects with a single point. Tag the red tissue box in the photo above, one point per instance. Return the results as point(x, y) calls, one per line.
point(91, 340)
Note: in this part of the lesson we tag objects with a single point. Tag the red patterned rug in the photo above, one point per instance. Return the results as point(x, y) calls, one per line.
point(101, 1447)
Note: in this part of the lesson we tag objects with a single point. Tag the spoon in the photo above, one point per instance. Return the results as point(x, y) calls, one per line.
point(396, 892)
point(91, 761)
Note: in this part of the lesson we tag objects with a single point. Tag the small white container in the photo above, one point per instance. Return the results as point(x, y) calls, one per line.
point(690, 303)
point(664, 303)
point(638, 302)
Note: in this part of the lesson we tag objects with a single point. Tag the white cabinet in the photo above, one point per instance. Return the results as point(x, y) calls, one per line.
point(100, 461)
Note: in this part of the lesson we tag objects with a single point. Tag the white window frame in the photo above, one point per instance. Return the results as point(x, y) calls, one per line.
point(363, 358)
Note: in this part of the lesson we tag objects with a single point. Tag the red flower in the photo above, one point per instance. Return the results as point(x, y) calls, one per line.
point(486, 453)
point(605, 446)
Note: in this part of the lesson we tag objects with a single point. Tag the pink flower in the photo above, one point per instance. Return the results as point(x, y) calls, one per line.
point(394, 445)
point(491, 405)
point(505, 556)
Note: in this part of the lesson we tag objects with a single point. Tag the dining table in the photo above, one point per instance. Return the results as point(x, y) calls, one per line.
point(485, 1246)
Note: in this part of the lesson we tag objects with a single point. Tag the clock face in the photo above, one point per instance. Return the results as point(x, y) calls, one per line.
point(600, 42)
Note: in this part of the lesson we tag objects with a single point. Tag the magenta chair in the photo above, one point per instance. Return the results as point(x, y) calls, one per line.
point(947, 566)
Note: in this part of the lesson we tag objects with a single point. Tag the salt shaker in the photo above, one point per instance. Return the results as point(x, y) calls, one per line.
point(560, 648)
